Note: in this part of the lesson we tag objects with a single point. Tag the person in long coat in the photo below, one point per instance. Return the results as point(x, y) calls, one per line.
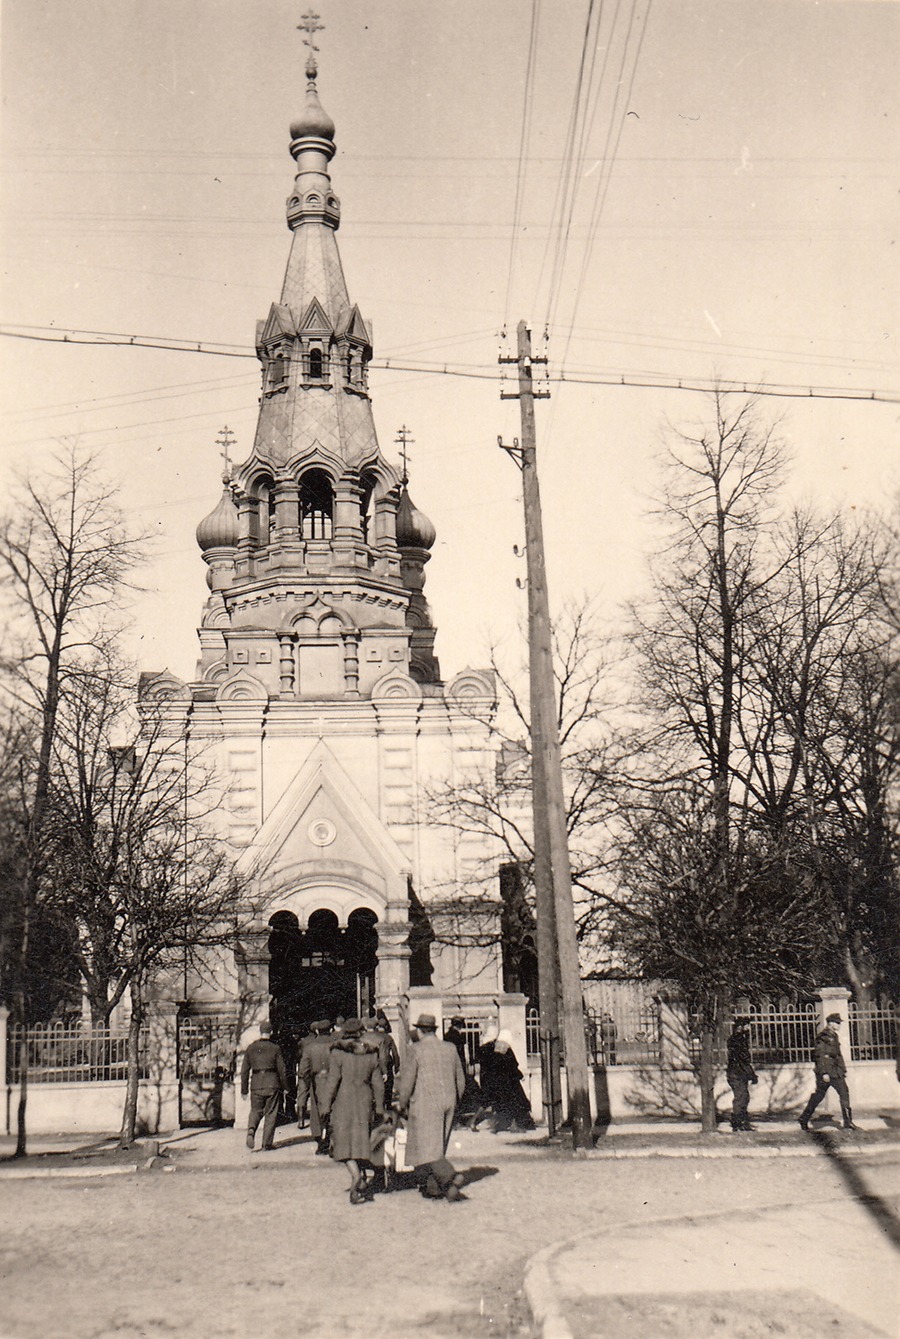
point(831, 1071)
point(487, 1073)
point(512, 1110)
point(353, 1096)
point(740, 1074)
point(470, 1104)
point(431, 1084)
point(315, 1057)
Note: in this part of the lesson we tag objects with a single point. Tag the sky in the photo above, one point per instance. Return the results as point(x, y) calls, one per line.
point(734, 214)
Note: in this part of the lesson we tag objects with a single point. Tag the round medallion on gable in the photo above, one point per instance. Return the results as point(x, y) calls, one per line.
point(321, 832)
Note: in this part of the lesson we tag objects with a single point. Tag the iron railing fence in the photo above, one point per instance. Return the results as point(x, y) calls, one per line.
point(783, 1037)
point(628, 1037)
point(207, 1047)
point(70, 1054)
point(873, 1033)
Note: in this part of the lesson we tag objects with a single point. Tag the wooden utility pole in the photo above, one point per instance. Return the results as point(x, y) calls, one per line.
point(551, 848)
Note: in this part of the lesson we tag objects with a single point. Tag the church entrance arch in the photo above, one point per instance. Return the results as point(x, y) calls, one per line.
point(325, 970)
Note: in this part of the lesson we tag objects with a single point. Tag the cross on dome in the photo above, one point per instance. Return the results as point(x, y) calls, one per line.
point(403, 439)
point(310, 24)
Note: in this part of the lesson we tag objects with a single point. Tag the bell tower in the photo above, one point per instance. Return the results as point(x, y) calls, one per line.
point(315, 550)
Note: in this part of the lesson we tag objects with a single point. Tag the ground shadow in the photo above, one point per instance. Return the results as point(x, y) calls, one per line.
point(473, 1174)
point(830, 1144)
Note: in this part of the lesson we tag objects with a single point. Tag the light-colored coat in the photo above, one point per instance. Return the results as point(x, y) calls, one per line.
point(431, 1084)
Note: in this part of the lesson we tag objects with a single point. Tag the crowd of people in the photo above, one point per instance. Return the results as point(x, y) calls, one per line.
point(357, 1097)
point(376, 1116)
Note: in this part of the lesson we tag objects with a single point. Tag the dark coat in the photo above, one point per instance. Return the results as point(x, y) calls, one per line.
point(740, 1065)
point(315, 1056)
point(431, 1083)
point(829, 1061)
point(509, 1101)
point(353, 1093)
point(262, 1069)
point(487, 1072)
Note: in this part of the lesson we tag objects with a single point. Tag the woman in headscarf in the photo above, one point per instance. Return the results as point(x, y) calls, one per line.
point(512, 1110)
point(353, 1096)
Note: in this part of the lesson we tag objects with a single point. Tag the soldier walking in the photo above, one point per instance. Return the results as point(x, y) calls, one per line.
point(831, 1072)
point(315, 1057)
point(263, 1073)
point(740, 1074)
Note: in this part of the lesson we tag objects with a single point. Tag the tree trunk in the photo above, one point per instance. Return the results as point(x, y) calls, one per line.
point(22, 1012)
point(129, 1115)
point(708, 1033)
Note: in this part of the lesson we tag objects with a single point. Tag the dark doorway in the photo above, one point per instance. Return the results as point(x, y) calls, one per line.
point(325, 971)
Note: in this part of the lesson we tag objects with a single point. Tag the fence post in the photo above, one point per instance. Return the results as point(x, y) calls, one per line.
point(4, 1077)
point(834, 1000)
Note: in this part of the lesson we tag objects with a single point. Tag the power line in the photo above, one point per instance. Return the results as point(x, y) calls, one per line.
point(636, 380)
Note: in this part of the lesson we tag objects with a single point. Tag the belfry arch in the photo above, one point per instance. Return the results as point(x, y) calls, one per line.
point(323, 968)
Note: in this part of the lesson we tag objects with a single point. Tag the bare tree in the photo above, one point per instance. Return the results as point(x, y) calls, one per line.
point(65, 556)
point(747, 662)
point(134, 862)
point(496, 804)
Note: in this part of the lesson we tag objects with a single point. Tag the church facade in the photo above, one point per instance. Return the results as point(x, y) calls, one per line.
point(318, 697)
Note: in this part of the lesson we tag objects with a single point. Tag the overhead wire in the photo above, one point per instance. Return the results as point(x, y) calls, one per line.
point(524, 142)
point(480, 372)
point(616, 126)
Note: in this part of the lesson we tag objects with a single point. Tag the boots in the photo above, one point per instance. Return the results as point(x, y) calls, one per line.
point(848, 1120)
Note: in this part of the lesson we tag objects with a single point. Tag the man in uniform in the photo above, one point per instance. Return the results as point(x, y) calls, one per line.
point(831, 1071)
point(740, 1074)
point(315, 1057)
point(264, 1075)
point(431, 1083)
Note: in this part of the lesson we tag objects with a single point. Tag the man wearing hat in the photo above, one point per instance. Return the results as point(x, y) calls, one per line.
point(431, 1083)
point(264, 1075)
point(740, 1074)
point(831, 1071)
point(315, 1056)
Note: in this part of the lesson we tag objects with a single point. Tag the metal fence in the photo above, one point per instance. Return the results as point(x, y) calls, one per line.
point(630, 1037)
point(783, 1037)
point(70, 1054)
point(873, 1033)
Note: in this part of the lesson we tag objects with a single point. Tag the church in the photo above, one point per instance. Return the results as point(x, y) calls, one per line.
point(318, 695)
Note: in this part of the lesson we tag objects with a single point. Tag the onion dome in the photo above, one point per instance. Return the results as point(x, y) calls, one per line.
point(313, 122)
point(414, 530)
point(219, 530)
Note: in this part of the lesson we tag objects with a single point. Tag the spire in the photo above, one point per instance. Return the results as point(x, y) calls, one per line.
point(312, 147)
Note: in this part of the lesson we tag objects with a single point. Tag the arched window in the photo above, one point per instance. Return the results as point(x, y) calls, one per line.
point(277, 371)
point(315, 365)
point(265, 509)
point(367, 483)
point(316, 505)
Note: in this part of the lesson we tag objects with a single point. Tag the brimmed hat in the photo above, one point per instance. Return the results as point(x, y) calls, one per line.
point(457, 1021)
point(320, 1025)
point(426, 1023)
point(833, 1018)
point(741, 1021)
point(353, 1027)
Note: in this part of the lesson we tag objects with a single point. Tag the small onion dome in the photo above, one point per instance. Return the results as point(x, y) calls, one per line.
point(219, 530)
point(313, 121)
point(414, 530)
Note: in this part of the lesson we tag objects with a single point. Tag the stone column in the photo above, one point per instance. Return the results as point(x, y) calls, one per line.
point(835, 1000)
point(351, 663)
point(287, 508)
point(287, 668)
point(511, 1017)
point(674, 1035)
